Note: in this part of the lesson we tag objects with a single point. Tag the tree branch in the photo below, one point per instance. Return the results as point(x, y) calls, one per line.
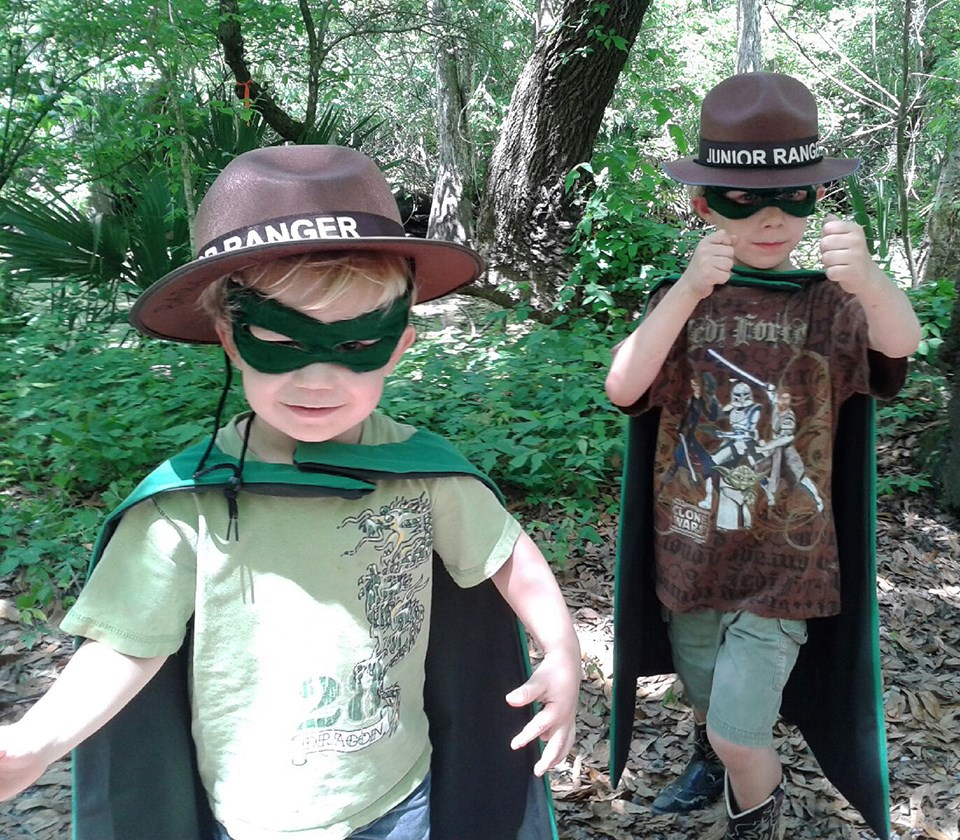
point(231, 40)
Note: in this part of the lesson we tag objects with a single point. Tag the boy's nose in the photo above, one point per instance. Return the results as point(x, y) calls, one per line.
point(317, 375)
point(771, 216)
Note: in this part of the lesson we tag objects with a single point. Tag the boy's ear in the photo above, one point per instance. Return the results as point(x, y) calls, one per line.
point(821, 192)
point(225, 334)
point(407, 338)
point(699, 204)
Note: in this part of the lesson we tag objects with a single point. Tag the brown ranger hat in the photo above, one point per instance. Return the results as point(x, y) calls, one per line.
point(287, 200)
point(759, 131)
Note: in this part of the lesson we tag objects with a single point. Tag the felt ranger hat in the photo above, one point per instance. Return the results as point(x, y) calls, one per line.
point(759, 131)
point(289, 200)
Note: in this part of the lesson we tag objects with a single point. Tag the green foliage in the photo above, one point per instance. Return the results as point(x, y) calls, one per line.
point(933, 303)
point(83, 423)
point(93, 260)
point(624, 243)
point(919, 411)
point(47, 240)
point(917, 415)
point(101, 257)
point(875, 210)
point(87, 420)
point(526, 405)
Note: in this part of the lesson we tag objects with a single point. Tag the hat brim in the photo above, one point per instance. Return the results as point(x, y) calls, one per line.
point(688, 171)
point(170, 309)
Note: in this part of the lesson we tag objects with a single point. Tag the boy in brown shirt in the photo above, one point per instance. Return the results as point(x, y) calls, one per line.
point(745, 541)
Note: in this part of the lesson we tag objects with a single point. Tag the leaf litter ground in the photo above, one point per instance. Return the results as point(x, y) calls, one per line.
point(919, 595)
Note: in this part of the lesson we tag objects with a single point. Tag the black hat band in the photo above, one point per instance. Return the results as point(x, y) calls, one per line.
point(805, 152)
point(337, 225)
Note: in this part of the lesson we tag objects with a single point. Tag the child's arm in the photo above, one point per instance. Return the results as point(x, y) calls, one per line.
point(893, 326)
point(638, 360)
point(96, 684)
point(529, 587)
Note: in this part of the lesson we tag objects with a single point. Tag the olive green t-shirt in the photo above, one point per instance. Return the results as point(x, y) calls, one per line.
point(309, 637)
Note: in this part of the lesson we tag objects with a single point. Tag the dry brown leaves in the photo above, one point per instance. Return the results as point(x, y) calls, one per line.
point(919, 593)
point(29, 663)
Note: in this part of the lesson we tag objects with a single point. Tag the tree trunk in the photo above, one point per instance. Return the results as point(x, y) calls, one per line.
point(749, 52)
point(903, 142)
point(526, 219)
point(943, 261)
point(943, 223)
point(451, 211)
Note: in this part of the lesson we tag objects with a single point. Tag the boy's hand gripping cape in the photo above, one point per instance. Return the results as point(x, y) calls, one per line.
point(136, 779)
point(834, 693)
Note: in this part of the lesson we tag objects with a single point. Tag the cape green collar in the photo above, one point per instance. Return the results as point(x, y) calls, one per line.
point(319, 469)
point(776, 281)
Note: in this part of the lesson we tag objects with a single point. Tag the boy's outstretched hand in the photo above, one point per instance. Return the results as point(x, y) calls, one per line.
point(846, 257)
point(711, 264)
point(556, 685)
point(20, 766)
point(529, 587)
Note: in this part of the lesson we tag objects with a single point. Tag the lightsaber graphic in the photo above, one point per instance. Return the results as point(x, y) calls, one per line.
point(749, 377)
point(686, 454)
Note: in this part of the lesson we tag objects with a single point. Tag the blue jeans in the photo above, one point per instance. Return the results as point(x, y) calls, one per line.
point(410, 820)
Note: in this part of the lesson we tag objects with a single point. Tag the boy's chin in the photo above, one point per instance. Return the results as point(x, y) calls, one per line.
point(772, 264)
point(351, 435)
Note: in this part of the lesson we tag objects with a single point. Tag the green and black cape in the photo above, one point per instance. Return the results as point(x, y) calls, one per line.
point(136, 779)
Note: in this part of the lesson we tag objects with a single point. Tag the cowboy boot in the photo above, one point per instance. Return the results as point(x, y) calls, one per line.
point(762, 822)
point(700, 783)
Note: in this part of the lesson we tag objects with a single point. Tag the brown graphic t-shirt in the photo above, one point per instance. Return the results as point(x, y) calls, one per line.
point(749, 396)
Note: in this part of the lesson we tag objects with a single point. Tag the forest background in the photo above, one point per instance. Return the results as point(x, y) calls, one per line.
point(533, 131)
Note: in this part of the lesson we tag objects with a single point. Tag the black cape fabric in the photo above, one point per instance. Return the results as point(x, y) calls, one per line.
point(834, 693)
point(136, 779)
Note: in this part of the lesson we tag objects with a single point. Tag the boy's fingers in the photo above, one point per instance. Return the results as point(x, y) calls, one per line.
point(833, 222)
point(556, 749)
point(545, 762)
point(524, 694)
point(534, 729)
point(517, 697)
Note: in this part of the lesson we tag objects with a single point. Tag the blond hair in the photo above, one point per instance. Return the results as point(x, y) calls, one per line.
point(315, 281)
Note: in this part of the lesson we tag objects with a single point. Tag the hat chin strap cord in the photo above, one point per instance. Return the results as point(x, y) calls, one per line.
point(233, 485)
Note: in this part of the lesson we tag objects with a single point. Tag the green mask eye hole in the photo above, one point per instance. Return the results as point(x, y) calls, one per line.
point(273, 338)
point(760, 197)
point(355, 346)
point(747, 199)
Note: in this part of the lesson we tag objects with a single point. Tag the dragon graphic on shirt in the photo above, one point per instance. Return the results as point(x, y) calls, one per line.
point(400, 535)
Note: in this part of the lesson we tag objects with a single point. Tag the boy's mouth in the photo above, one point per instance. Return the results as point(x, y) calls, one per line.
point(310, 410)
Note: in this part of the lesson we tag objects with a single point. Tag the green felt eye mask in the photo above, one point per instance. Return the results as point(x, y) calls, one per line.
point(361, 344)
point(797, 201)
